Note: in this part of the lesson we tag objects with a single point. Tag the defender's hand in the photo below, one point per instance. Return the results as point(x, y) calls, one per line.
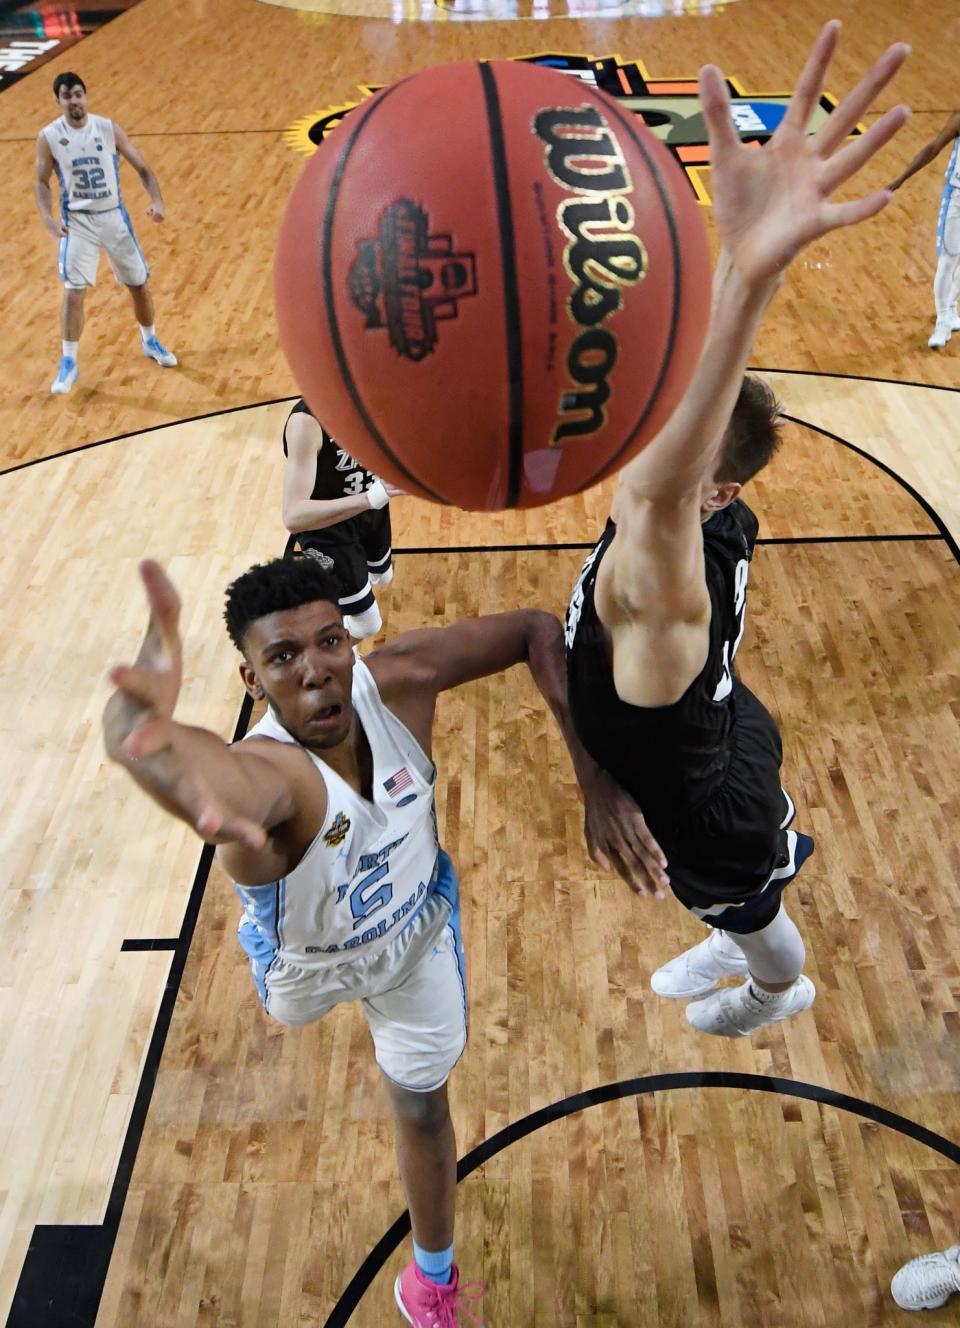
point(617, 836)
point(156, 212)
point(770, 203)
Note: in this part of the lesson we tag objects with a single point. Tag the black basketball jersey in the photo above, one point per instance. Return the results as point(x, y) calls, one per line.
point(338, 475)
point(674, 759)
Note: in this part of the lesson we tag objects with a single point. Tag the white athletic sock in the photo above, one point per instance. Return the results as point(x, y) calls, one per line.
point(70, 348)
point(147, 332)
point(769, 997)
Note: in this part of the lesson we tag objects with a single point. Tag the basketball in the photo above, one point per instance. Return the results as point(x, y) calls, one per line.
point(492, 285)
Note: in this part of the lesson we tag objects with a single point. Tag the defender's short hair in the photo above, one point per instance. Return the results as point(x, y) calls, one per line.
point(753, 434)
point(283, 583)
point(67, 80)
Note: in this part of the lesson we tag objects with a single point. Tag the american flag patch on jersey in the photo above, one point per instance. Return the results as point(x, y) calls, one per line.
point(398, 782)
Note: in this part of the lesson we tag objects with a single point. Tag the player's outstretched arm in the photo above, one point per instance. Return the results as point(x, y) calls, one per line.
point(929, 151)
point(412, 669)
point(227, 796)
point(147, 178)
point(768, 206)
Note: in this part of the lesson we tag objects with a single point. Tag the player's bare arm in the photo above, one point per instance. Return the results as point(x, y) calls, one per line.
point(253, 799)
point(768, 206)
point(43, 170)
point(305, 438)
point(147, 178)
point(413, 669)
point(930, 151)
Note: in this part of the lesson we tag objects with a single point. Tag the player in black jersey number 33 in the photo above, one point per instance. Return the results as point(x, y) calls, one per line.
point(658, 613)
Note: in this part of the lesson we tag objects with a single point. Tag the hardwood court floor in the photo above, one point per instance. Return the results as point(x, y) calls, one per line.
point(265, 1173)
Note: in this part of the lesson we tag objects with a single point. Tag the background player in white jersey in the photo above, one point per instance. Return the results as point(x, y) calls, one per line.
point(325, 818)
point(339, 513)
point(84, 150)
point(946, 281)
point(657, 616)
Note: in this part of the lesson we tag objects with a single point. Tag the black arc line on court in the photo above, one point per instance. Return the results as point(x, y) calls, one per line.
point(594, 1097)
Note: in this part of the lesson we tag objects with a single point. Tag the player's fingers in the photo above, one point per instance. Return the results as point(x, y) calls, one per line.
point(216, 823)
point(148, 739)
point(850, 159)
point(164, 602)
point(849, 214)
point(140, 685)
point(810, 83)
point(839, 124)
point(715, 101)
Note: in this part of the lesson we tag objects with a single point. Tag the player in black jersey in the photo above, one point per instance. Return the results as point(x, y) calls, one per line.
point(338, 513)
point(656, 617)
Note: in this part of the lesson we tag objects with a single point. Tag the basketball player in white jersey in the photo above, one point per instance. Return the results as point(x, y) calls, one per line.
point(84, 150)
point(325, 819)
point(946, 282)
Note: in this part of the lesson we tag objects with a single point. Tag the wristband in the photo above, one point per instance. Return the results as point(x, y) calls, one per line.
point(377, 495)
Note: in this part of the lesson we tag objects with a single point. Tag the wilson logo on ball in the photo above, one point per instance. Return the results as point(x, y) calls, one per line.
point(408, 280)
point(601, 255)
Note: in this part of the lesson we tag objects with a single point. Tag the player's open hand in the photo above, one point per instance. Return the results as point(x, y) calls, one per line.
point(768, 204)
point(150, 687)
point(617, 836)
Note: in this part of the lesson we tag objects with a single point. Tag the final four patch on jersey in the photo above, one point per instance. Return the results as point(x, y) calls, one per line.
point(338, 831)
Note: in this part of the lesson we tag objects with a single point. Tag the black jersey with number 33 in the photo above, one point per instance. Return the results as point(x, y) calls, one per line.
point(338, 475)
point(705, 770)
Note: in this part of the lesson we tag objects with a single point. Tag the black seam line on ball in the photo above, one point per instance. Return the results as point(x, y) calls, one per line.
point(610, 464)
point(511, 294)
point(594, 1097)
point(338, 350)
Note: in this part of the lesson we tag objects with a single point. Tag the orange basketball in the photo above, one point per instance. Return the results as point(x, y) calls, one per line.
point(492, 284)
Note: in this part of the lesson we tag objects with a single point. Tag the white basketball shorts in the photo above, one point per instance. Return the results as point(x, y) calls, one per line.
point(87, 234)
point(948, 223)
point(413, 993)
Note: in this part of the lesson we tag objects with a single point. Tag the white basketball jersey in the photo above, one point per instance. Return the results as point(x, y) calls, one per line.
point(953, 166)
point(371, 865)
point(86, 161)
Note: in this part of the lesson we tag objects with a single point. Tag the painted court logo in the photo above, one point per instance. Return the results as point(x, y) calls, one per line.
point(407, 280)
point(669, 107)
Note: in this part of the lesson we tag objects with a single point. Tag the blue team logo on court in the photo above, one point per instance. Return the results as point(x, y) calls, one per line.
point(669, 107)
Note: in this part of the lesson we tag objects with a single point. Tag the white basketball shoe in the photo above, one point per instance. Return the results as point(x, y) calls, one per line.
point(697, 971)
point(736, 1012)
point(940, 336)
point(928, 1282)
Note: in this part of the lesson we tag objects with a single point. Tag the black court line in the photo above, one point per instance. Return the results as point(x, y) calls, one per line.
point(65, 1268)
point(593, 1097)
point(150, 428)
point(150, 943)
point(562, 546)
point(853, 378)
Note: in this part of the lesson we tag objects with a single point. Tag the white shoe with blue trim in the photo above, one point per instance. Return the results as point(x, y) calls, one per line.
point(67, 375)
point(155, 350)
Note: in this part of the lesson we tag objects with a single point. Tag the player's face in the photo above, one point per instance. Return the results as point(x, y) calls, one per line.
point(301, 660)
point(73, 103)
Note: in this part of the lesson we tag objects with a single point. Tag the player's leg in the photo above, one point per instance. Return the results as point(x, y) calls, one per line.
point(947, 275)
point(77, 263)
point(378, 545)
point(419, 1027)
point(754, 938)
point(131, 270)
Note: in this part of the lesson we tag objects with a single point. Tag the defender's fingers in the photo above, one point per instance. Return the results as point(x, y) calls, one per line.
point(845, 118)
point(141, 685)
point(715, 100)
point(810, 83)
point(849, 214)
point(850, 159)
point(163, 600)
